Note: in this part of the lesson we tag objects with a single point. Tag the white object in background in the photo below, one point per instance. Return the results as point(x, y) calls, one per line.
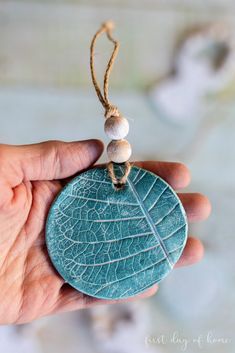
point(122, 328)
point(204, 64)
point(12, 341)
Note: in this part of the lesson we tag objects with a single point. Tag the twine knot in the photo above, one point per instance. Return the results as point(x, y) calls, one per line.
point(111, 110)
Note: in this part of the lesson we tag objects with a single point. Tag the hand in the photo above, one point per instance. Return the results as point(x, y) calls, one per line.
point(30, 178)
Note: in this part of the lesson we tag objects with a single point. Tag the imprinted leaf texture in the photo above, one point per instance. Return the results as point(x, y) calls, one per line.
point(114, 244)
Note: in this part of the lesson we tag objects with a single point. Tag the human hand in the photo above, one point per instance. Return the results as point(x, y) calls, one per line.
point(30, 178)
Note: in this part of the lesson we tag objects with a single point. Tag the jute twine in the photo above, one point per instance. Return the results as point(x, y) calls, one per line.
point(110, 109)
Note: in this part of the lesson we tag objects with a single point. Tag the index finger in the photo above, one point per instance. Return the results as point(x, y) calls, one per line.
point(175, 174)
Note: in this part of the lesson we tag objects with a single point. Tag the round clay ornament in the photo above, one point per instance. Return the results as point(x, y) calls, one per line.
point(115, 244)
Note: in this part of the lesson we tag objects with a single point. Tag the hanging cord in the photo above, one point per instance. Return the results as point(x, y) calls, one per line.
point(110, 109)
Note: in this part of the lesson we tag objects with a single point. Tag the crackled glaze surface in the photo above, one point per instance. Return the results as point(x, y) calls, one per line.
point(115, 244)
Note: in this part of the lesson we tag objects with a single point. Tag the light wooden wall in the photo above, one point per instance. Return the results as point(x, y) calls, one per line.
point(47, 42)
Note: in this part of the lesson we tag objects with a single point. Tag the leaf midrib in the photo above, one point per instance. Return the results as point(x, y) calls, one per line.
point(150, 221)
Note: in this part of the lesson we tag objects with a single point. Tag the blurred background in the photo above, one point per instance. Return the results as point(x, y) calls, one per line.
point(174, 79)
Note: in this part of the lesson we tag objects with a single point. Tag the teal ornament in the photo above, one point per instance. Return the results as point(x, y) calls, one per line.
point(111, 243)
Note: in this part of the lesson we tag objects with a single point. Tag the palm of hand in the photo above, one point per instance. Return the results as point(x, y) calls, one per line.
point(29, 285)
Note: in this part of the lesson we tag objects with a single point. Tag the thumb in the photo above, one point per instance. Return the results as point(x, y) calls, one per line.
point(53, 159)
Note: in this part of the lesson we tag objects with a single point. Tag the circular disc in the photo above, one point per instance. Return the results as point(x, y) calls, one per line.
point(111, 243)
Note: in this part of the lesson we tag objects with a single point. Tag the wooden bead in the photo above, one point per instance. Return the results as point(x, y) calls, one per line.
point(116, 127)
point(119, 151)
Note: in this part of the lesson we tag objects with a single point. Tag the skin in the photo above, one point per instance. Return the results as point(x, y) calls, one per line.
point(30, 178)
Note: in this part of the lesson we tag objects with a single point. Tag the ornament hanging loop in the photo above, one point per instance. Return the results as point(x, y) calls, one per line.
point(111, 111)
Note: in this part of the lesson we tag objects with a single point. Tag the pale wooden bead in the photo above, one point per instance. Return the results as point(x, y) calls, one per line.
point(116, 127)
point(119, 151)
